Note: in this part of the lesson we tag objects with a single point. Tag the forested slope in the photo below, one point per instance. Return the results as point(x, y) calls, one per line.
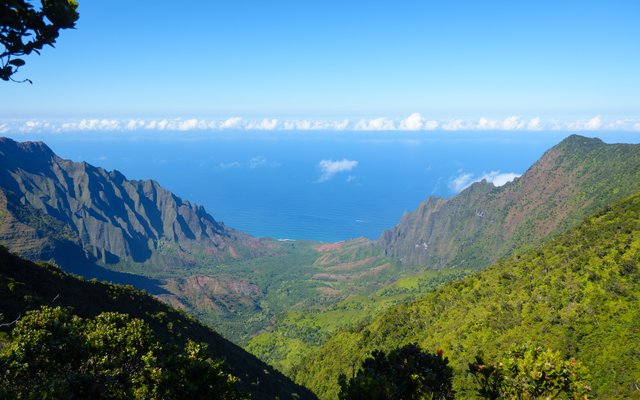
point(26, 286)
point(577, 293)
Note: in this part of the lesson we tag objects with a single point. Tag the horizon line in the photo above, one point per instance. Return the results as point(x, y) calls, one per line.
point(413, 123)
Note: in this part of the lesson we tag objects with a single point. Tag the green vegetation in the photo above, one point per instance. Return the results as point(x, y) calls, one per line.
point(314, 311)
point(526, 372)
point(530, 372)
point(297, 333)
point(54, 354)
point(247, 297)
point(577, 293)
point(406, 373)
point(25, 286)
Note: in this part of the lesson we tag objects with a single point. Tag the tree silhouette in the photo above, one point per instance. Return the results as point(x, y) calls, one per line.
point(405, 373)
point(24, 29)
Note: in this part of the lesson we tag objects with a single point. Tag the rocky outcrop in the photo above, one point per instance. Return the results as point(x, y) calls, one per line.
point(113, 219)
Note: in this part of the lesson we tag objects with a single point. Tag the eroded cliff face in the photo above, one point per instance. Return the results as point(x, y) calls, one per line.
point(113, 219)
point(484, 222)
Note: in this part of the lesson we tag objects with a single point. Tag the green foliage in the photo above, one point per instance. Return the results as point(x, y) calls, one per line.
point(24, 30)
point(530, 372)
point(405, 373)
point(54, 354)
point(577, 293)
point(95, 303)
point(299, 332)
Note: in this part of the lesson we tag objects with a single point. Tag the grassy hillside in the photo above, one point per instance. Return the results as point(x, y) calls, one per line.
point(25, 286)
point(577, 293)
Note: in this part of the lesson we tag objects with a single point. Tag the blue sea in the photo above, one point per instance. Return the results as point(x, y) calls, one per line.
point(326, 186)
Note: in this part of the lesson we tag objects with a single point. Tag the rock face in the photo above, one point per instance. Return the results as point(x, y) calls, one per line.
point(46, 198)
point(484, 222)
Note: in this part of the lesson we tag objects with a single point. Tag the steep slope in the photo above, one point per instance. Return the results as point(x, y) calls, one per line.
point(98, 224)
point(483, 223)
point(25, 286)
point(48, 200)
point(578, 294)
point(454, 237)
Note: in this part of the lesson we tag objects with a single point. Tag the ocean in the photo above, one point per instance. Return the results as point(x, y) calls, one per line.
point(326, 186)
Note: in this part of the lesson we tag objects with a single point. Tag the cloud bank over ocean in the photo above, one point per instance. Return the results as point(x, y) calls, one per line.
point(414, 122)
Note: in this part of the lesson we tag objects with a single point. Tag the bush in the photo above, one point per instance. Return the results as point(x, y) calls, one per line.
point(405, 373)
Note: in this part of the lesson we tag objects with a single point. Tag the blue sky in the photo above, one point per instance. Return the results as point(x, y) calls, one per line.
point(563, 62)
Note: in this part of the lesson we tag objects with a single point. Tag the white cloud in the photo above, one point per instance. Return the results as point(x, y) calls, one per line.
point(329, 168)
point(264, 125)
point(461, 182)
point(535, 124)
point(231, 123)
point(233, 164)
point(454, 125)
point(257, 162)
point(431, 125)
point(339, 125)
point(133, 124)
point(188, 125)
point(499, 178)
point(512, 123)
point(377, 124)
point(316, 125)
point(508, 124)
point(91, 125)
point(253, 163)
point(466, 179)
point(486, 124)
point(593, 124)
point(413, 122)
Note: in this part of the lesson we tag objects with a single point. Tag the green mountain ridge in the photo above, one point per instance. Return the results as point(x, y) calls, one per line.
point(484, 223)
point(465, 233)
point(577, 293)
point(26, 286)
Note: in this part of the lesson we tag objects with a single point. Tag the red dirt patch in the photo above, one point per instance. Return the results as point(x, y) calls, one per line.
point(344, 277)
point(329, 247)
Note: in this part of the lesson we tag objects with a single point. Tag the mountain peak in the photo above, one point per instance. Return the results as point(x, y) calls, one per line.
point(580, 142)
point(7, 144)
point(483, 223)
